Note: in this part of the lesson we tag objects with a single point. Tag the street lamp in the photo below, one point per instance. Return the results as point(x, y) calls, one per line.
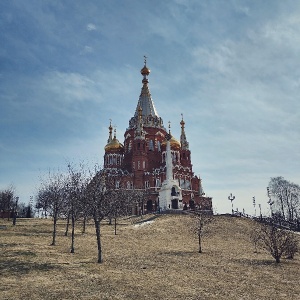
point(231, 198)
point(254, 206)
point(270, 202)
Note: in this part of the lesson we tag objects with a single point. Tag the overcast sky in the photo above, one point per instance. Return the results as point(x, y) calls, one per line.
point(231, 67)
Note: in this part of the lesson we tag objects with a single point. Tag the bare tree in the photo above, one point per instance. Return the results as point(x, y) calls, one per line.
point(76, 188)
point(41, 201)
point(7, 203)
point(68, 216)
point(287, 198)
point(121, 204)
point(277, 241)
point(51, 196)
point(292, 246)
point(15, 209)
point(104, 200)
point(200, 226)
point(138, 199)
point(99, 195)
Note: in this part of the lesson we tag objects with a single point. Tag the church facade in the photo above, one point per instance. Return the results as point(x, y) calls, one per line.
point(141, 161)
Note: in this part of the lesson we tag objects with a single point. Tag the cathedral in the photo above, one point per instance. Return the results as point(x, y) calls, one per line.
point(152, 160)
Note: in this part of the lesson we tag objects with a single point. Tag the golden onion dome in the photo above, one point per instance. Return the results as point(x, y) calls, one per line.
point(113, 145)
point(175, 145)
point(145, 71)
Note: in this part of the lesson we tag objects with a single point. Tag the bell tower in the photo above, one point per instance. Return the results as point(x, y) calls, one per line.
point(170, 194)
point(139, 158)
point(185, 151)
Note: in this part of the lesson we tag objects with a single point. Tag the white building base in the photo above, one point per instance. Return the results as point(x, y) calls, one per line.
point(170, 195)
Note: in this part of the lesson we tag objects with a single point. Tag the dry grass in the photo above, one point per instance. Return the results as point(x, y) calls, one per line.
point(154, 261)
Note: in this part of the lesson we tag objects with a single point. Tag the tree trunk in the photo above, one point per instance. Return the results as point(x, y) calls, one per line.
point(54, 229)
point(15, 218)
point(97, 227)
point(84, 224)
point(199, 239)
point(73, 231)
point(67, 226)
point(282, 206)
point(15, 212)
point(115, 226)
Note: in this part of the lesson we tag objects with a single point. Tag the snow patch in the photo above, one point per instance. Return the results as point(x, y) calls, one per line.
point(143, 224)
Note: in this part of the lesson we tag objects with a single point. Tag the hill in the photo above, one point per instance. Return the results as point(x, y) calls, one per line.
point(151, 260)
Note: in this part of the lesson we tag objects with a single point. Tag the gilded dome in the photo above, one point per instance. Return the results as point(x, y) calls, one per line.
point(175, 145)
point(145, 71)
point(114, 145)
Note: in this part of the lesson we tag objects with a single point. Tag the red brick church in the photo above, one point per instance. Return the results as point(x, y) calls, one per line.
point(140, 162)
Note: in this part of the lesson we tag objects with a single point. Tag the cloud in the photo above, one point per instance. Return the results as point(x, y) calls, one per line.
point(87, 49)
point(91, 27)
point(284, 32)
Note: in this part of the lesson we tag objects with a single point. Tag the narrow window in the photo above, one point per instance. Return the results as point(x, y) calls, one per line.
point(158, 146)
point(151, 147)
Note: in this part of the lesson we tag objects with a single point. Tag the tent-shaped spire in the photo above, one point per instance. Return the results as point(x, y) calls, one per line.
point(145, 100)
point(145, 103)
point(183, 141)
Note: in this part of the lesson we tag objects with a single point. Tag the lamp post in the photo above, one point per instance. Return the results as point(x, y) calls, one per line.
point(254, 204)
point(270, 202)
point(260, 215)
point(231, 198)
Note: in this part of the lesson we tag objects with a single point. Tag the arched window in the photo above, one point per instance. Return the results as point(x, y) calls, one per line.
point(151, 146)
point(158, 146)
point(182, 183)
point(157, 183)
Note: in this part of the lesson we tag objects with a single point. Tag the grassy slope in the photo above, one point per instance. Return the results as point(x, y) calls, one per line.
point(155, 261)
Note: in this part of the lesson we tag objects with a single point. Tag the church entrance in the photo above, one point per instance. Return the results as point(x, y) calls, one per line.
point(149, 205)
point(175, 204)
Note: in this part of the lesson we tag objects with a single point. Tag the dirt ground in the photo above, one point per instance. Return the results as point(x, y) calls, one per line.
point(151, 260)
